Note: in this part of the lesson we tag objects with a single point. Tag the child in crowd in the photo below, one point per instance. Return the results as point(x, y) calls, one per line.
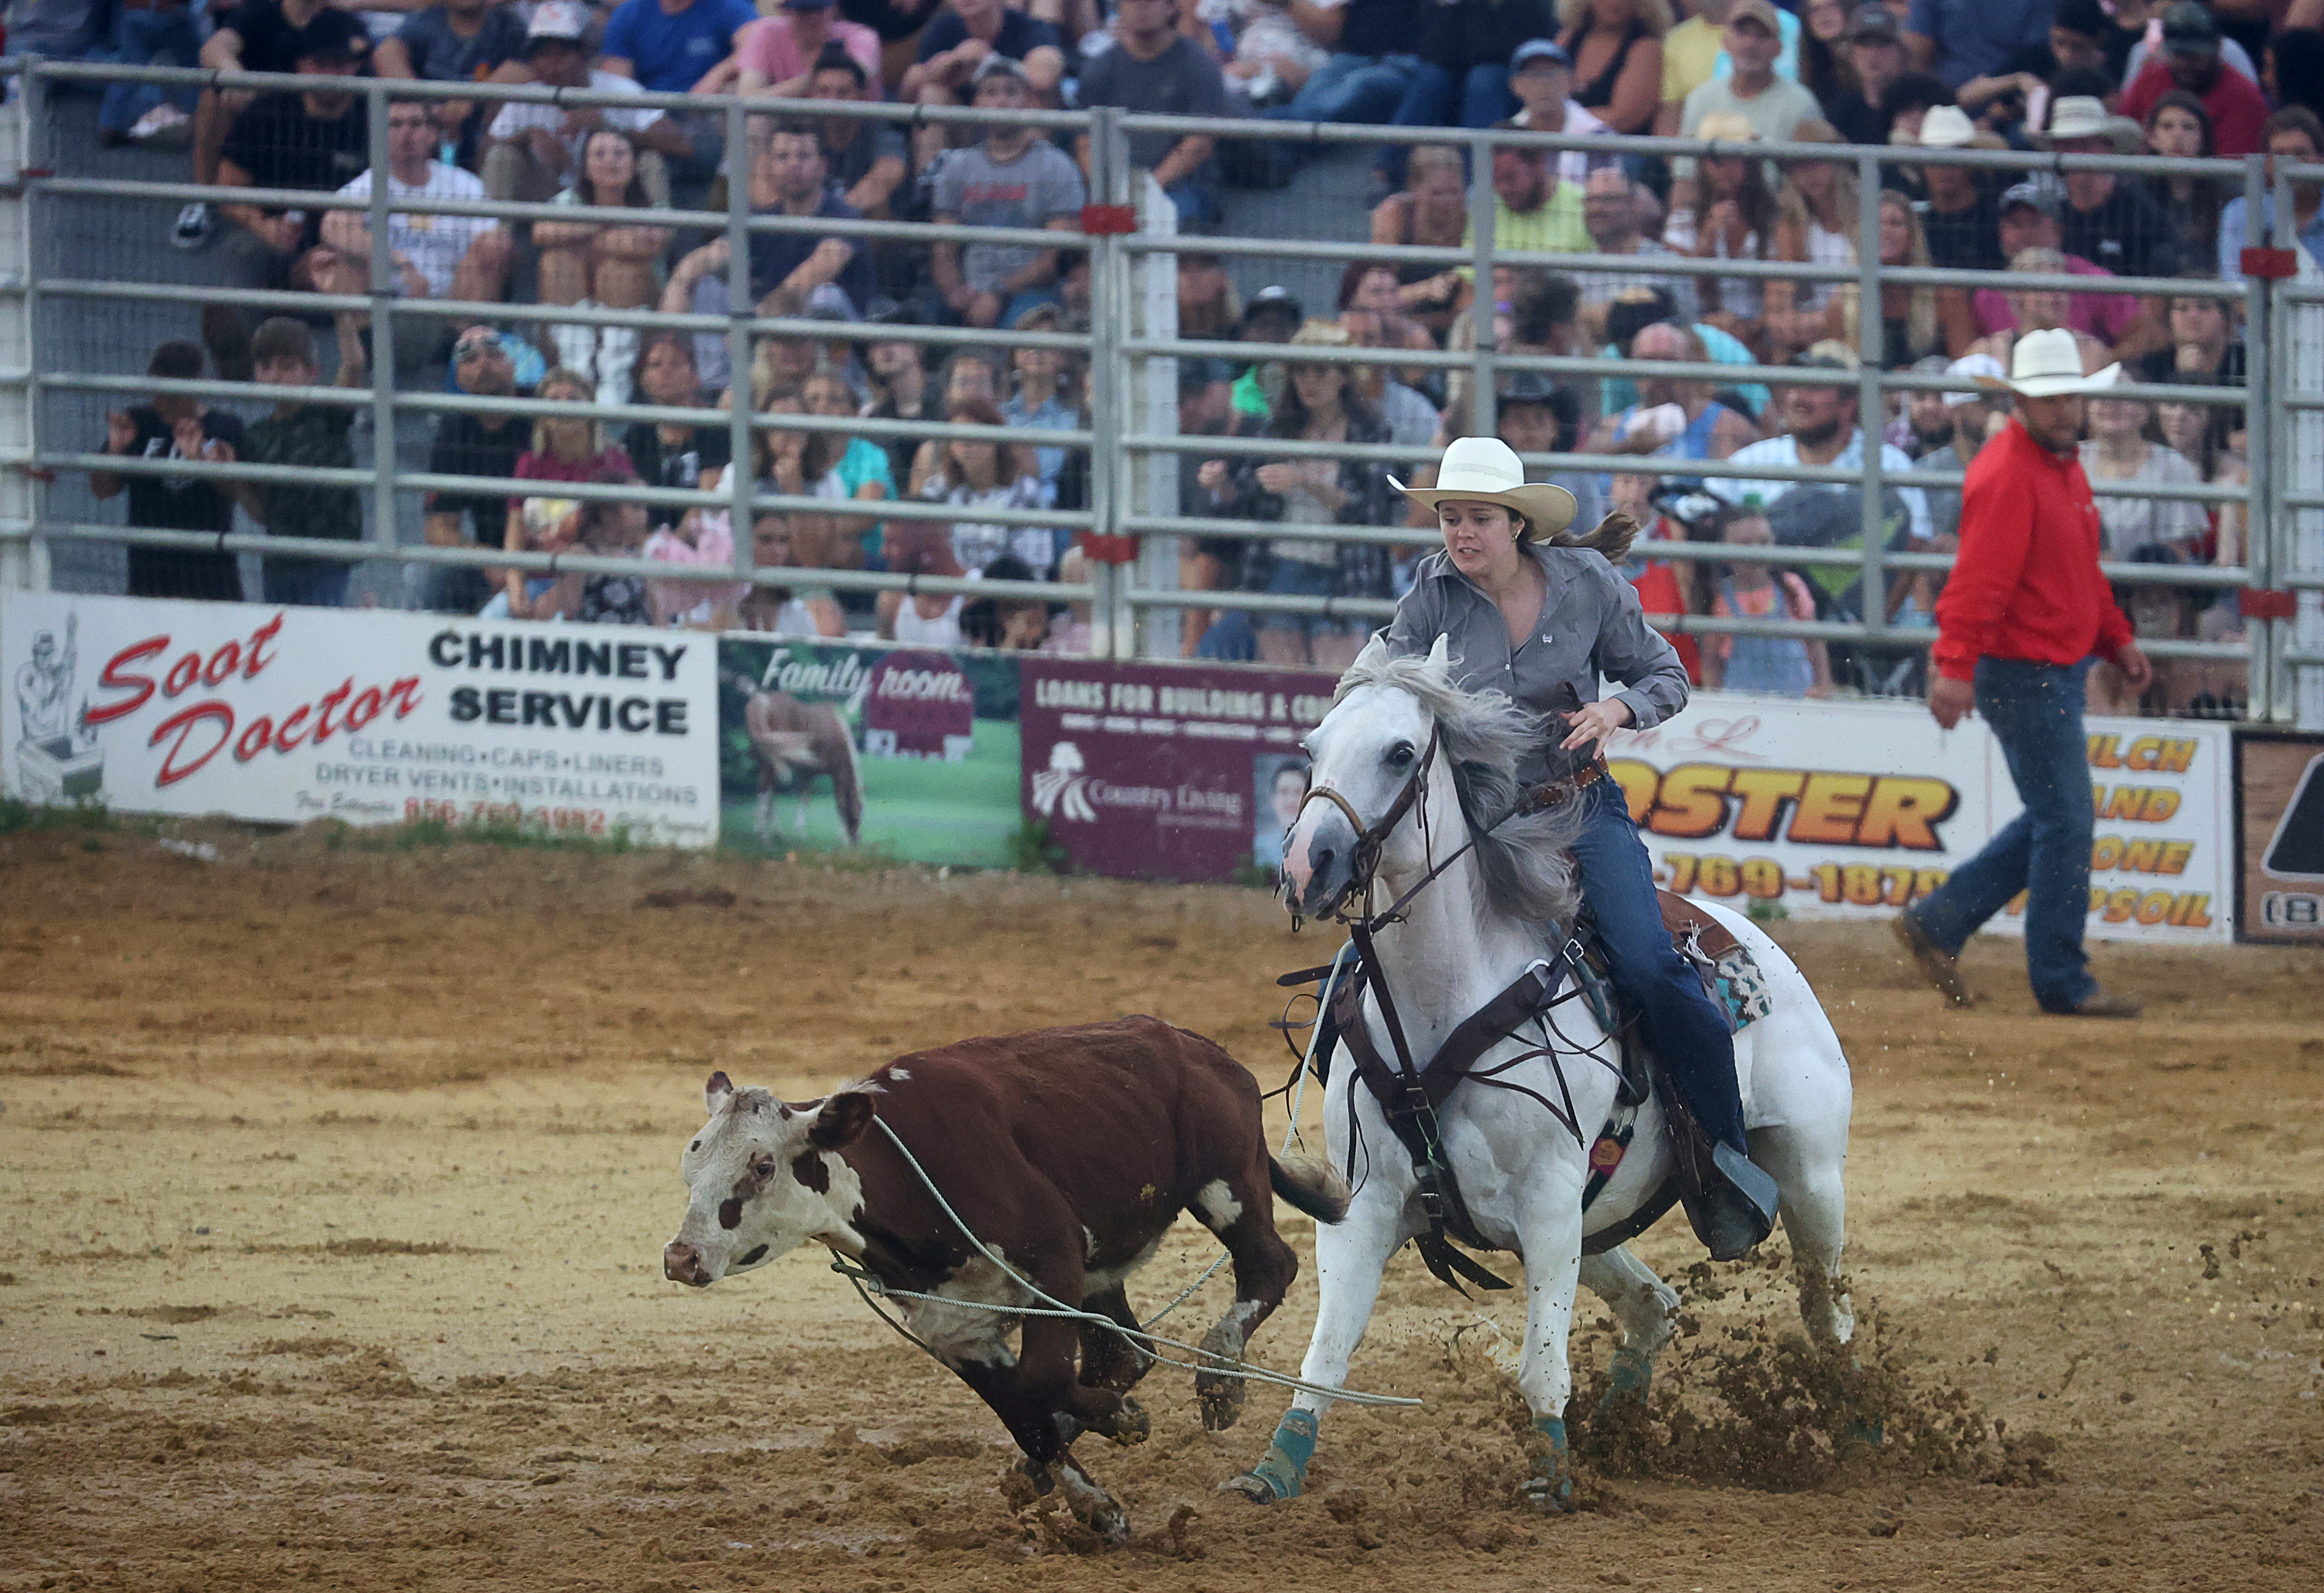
point(311, 436)
point(1784, 666)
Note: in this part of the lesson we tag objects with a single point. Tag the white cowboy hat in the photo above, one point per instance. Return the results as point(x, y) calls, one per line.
point(2048, 364)
point(2083, 115)
point(1946, 127)
point(1485, 470)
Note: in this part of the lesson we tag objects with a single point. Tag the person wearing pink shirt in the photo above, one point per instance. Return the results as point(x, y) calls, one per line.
point(703, 539)
point(774, 55)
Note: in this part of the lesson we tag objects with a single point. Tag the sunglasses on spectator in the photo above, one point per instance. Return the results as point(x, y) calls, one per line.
point(469, 348)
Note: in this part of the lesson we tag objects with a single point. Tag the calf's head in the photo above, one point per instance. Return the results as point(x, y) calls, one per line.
point(760, 1178)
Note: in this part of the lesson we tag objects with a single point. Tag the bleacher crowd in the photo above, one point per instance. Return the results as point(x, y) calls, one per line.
point(2075, 76)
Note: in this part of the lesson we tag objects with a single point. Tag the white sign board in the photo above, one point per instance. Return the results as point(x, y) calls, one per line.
point(290, 714)
point(1860, 808)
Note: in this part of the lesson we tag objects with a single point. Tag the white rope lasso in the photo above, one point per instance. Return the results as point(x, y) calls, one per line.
point(1053, 1307)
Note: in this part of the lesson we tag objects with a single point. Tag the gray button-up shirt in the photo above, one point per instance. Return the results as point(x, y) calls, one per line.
point(1590, 625)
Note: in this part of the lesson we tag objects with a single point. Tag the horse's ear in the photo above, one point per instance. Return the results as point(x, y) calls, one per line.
point(1440, 655)
point(1374, 655)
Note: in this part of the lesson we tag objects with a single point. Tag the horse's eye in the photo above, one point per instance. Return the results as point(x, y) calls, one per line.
point(1400, 755)
point(695, 1146)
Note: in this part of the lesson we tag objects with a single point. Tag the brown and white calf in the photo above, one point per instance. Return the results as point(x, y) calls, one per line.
point(1069, 1151)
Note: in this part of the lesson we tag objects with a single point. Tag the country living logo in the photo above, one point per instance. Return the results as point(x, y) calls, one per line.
point(1062, 789)
point(1068, 791)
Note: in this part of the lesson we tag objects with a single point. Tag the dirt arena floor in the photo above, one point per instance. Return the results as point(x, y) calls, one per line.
point(335, 1184)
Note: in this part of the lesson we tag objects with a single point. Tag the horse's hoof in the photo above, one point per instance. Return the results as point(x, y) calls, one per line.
point(1220, 1399)
point(1258, 1489)
point(1633, 1370)
point(1131, 1426)
point(1552, 1490)
point(1282, 1472)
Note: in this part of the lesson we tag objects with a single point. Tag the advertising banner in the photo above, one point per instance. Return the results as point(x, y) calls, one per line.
point(1860, 808)
point(909, 752)
point(2280, 836)
point(1170, 771)
point(287, 714)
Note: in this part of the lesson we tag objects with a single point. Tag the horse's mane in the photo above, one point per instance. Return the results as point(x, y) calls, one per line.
point(1485, 735)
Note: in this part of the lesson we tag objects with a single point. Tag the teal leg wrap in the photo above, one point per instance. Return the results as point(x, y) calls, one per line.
point(1284, 1468)
point(1633, 1370)
point(1553, 1488)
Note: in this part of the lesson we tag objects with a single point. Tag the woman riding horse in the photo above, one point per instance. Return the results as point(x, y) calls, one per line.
point(1540, 614)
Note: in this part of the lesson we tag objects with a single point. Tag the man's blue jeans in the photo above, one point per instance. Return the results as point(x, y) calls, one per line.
point(1687, 1032)
point(2035, 710)
point(306, 583)
point(1436, 97)
point(1349, 88)
point(148, 38)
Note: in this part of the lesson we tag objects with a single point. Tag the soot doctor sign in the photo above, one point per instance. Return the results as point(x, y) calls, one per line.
point(290, 714)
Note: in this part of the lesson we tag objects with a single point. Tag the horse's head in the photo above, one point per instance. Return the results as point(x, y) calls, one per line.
point(1376, 765)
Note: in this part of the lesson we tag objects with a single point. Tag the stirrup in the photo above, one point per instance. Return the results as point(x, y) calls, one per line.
point(1755, 1197)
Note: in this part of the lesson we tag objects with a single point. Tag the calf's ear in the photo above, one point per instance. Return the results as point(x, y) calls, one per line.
point(714, 1092)
point(841, 1120)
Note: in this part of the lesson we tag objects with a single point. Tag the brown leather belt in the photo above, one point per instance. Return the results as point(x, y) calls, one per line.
point(1552, 793)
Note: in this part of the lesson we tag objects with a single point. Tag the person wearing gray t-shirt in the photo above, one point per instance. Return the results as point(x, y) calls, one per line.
point(1014, 179)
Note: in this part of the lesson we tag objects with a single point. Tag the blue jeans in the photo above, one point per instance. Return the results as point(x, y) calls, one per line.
point(142, 38)
point(1435, 97)
point(306, 583)
point(1688, 1033)
point(1349, 88)
point(2035, 710)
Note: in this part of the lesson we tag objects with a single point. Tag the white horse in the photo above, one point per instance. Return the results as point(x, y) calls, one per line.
point(1464, 938)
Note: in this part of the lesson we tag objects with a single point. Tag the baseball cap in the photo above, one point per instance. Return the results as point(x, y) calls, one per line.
point(1758, 11)
point(334, 35)
point(1273, 300)
point(1528, 387)
point(1535, 51)
point(2189, 29)
point(2044, 192)
point(560, 20)
point(997, 65)
point(1874, 22)
point(1976, 368)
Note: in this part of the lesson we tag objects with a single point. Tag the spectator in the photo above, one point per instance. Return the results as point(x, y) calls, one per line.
point(867, 159)
point(597, 265)
point(2034, 310)
point(919, 548)
point(1875, 51)
point(1824, 68)
point(1959, 39)
point(1823, 431)
point(1962, 221)
point(2081, 37)
point(1012, 624)
point(456, 42)
point(1460, 74)
point(958, 40)
point(2292, 133)
point(1675, 417)
point(1370, 287)
point(2029, 212)
point(667, 454)
point(1774, 106)
point(2293, 71)
point(1411, 419)
point(1432, 213)
point(2106, 220)
point(532, 151)
point(256, 36)
point(2140, 530)
point(774, 610)
point(465, 258)
point(311, 436)
point(702, 539)
point(1739, 223)
point(857, 472)
point(2206, 348)
point(1911, 327)
point(1043, 394)
point(986, 476)
point(1073, 635)
point(1616, 49)
point(901, 390)
point(1273, 316)
point(311, 140)
point(612, 529)
point(2210, 688)
point(1320, 402)
point(1014, 179)
point(787, 179)
point(174, 425)
point(898, 23)
point(778, 54)
point(486, 443)
point(1641, 306)
point(1153, 70)
point(2179, 128)
point(1904, 106)
point(1533, 212)
point(156, 34)
point(1542, 77)
point(1273, 57)
point(968, 375)
point(562, 450)
point(1971, 417)
point(1534, 415)
point(1779, 666)
point(679, 47)
point(2191, 61)
point(795, 462)
point(1363, 77)
point(1611, 214)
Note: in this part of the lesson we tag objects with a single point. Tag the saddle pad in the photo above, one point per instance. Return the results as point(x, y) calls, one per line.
point(1730, 975)
point(1681, 917)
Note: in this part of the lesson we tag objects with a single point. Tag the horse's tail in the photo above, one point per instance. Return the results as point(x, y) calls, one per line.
point(1311, 1186)
point(1612, 537)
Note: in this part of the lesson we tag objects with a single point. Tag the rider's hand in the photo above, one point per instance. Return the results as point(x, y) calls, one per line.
point(1949, 699)
point(1593, 722)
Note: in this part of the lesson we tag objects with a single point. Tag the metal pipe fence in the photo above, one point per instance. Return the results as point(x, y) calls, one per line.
point(1126, 433)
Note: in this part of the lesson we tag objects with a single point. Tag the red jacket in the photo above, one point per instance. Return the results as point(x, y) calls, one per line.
point(2026, 585)
point(2238, 109)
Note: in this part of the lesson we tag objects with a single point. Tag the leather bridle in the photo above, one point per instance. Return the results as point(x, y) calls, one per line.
point(1364, 862)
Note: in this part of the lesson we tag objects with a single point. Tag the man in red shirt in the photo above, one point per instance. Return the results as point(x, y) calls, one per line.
point(2024, 614)
point(2190, 59)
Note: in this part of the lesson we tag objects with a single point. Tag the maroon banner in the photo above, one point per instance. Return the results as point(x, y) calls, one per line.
point(1167, 771)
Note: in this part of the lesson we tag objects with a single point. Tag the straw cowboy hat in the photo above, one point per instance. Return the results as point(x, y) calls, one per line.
point(2046, 365)
point(2083, 115)
point(1485, 470)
